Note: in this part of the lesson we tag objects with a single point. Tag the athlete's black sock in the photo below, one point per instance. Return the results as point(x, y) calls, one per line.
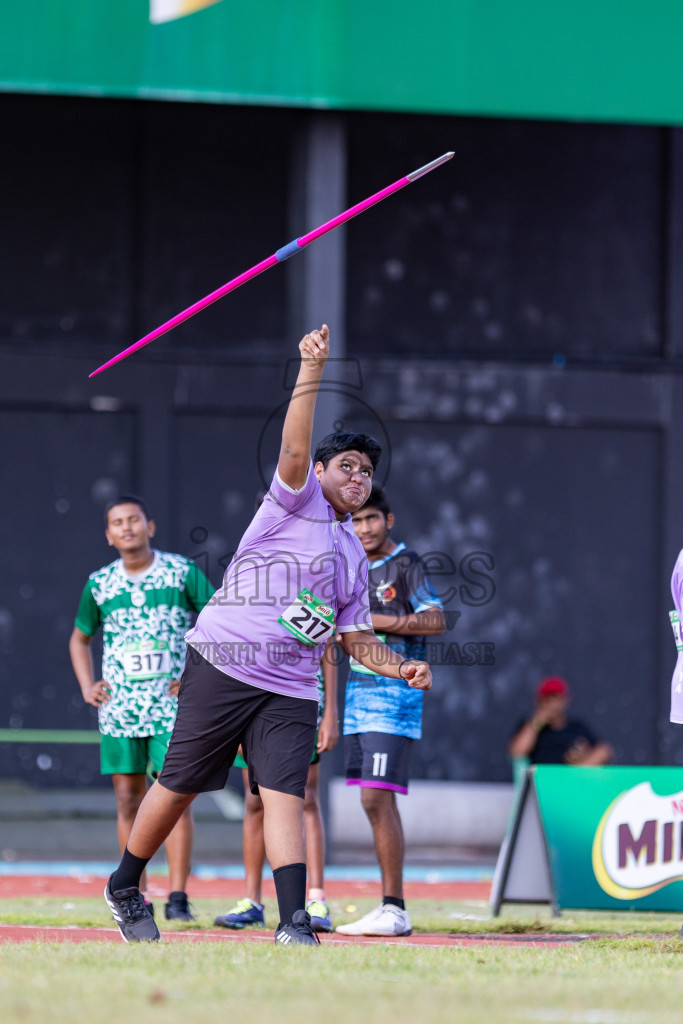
point(394, 901)
point(129, 871)
point(290, 887)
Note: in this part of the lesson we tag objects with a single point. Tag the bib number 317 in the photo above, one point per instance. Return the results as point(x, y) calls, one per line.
point(308, 619)
point(146, 659)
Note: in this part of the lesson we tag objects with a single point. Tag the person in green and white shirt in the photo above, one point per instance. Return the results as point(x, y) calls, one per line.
point(145, 602)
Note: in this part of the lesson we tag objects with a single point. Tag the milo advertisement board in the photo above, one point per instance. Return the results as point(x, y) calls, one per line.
point(595, 838)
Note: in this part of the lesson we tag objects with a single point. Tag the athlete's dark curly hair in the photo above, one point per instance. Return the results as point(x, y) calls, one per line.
point(335, 444)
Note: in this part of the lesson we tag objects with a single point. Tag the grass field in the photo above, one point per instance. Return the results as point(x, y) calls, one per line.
point(608, 981)
point(631, 974)
point(444, 916)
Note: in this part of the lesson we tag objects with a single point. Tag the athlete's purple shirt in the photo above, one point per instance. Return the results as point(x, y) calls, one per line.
point(294, 542)
point(677, 679)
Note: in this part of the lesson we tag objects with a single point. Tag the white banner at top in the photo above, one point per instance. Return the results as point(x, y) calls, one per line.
point(170, 10)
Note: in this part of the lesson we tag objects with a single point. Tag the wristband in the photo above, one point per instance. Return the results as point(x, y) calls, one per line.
point(404, 662)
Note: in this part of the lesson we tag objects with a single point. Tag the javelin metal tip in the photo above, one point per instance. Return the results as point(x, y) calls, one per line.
point(430, 166)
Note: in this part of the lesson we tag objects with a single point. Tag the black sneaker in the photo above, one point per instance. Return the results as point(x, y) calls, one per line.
point(135, 922)
point(150, 907)
point(178, 908)
point(298, 933)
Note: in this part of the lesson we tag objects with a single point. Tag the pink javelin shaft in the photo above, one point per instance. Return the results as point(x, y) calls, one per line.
point(278, 257)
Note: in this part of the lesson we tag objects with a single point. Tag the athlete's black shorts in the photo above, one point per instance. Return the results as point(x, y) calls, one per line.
point(377, 760)
point(216, 713)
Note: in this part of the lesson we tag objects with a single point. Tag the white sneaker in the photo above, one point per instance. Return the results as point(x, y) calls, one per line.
point(384, 920)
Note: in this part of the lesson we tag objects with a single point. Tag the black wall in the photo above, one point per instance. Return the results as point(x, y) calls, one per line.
point(509, 326)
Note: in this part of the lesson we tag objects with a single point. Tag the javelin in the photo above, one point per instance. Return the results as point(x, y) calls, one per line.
point(278, 257)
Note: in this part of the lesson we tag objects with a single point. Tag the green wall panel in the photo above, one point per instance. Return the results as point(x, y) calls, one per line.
point(616, 60)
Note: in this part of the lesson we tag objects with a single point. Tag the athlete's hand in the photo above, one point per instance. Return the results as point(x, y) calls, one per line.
point(315, 347)
point(417, 674)
point(173, 688)
point(98, 694)
point(328, 733)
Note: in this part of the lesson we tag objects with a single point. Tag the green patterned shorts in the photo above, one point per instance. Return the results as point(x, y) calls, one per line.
point(123, 755)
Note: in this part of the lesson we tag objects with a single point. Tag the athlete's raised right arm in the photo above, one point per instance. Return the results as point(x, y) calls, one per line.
point(297, 432)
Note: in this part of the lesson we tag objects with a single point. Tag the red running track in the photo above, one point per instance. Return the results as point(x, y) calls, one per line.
point(16, 886)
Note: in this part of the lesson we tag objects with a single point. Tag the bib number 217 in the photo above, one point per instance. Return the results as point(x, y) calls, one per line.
point(308, 619)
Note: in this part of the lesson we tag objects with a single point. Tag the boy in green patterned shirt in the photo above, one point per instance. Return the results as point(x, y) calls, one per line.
point(145, 602)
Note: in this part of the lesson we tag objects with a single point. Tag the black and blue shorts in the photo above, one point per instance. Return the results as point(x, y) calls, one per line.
point(377, 760)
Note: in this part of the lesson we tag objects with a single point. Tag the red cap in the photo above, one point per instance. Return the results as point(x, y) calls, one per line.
point(553, 686)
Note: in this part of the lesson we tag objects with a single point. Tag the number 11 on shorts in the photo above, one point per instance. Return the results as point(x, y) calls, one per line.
point(379, 764)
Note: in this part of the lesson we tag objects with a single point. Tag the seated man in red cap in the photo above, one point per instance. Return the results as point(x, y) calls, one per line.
point(549, 736)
